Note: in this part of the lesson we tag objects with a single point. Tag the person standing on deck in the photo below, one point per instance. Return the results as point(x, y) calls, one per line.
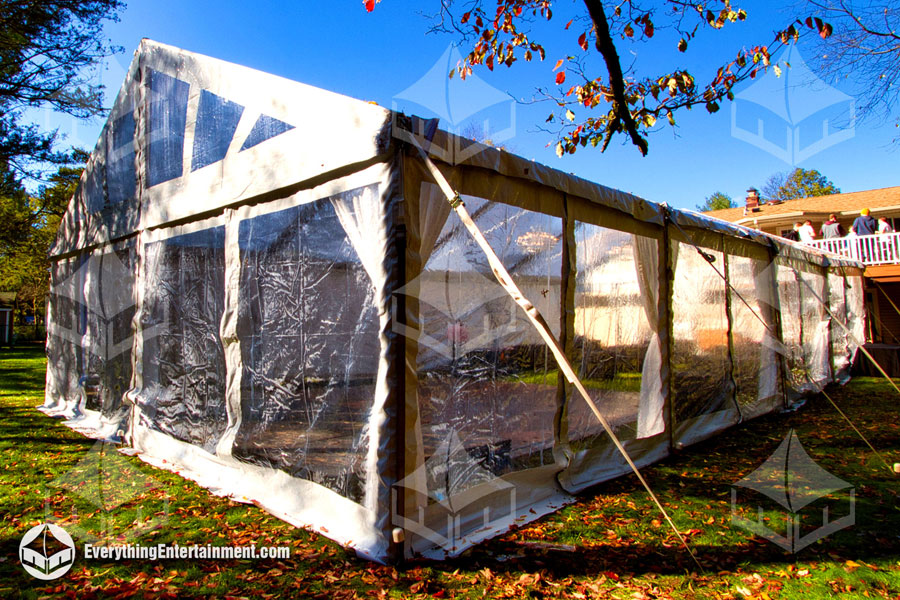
point(806, 232)
point(864, 224)
point(832, 228)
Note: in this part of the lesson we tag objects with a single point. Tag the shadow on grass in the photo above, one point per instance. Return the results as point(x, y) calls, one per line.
point(608, 531)
point(698, 481)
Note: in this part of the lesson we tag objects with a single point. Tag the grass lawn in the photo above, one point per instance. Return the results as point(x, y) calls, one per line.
point(610, 544)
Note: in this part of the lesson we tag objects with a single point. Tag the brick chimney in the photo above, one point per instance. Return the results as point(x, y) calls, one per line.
point(752, 200)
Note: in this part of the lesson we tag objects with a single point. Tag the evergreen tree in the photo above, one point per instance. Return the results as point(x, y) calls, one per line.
point(716, 201)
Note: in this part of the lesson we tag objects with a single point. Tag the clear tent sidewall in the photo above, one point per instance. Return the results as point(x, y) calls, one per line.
point(731, 321)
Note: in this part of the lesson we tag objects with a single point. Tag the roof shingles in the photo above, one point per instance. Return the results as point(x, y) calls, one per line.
point(881, 200)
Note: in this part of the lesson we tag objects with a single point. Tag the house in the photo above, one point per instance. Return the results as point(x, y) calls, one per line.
point(880, 253)
point(7, 313)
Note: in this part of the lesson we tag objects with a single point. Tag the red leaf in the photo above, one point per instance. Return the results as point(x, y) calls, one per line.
point(558, 64)
point(567, 25)
point(582, 41)
point(370, 5)
point(560, 77)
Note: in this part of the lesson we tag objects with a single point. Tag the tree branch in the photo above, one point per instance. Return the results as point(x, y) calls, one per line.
point(621, 113)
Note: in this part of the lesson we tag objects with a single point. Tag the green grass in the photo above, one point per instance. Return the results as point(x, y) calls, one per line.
point(622, 382)
point(611, 543)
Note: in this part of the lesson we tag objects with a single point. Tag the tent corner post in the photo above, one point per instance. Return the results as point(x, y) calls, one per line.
point(667, 342)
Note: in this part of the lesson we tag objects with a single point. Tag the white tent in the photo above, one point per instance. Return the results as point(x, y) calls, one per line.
point(259, 284)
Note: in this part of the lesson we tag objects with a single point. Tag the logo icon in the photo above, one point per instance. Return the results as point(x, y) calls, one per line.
point(466, 315)
point(102, 287)
point(794, 115)
point(104, 482)
point(47, 551)
point(469, 108)
point(453, 479)
point(798, 486)
point(108, 72)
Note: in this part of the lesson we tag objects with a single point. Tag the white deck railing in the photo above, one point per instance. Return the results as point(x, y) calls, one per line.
point(879, 249)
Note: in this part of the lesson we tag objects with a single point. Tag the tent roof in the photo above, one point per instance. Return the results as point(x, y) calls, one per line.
point(189, 135)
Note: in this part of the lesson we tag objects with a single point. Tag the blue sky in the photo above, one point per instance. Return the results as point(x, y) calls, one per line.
point(378, 56)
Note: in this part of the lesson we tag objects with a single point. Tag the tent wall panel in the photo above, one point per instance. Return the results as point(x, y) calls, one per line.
point(183, 391)
point(66, 325)
point(839, 337)
point(89, 341)
point(617, 345)
point(109, 295)
point(791, 318)
point(702, 367)
point(814, 296)
point(484, 385)
point(311, 408)
point(309, 340)
point(483, 371)
point(754, 335)
point(856, 318)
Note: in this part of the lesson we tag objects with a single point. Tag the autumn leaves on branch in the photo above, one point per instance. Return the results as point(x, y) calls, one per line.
point(502, 35)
